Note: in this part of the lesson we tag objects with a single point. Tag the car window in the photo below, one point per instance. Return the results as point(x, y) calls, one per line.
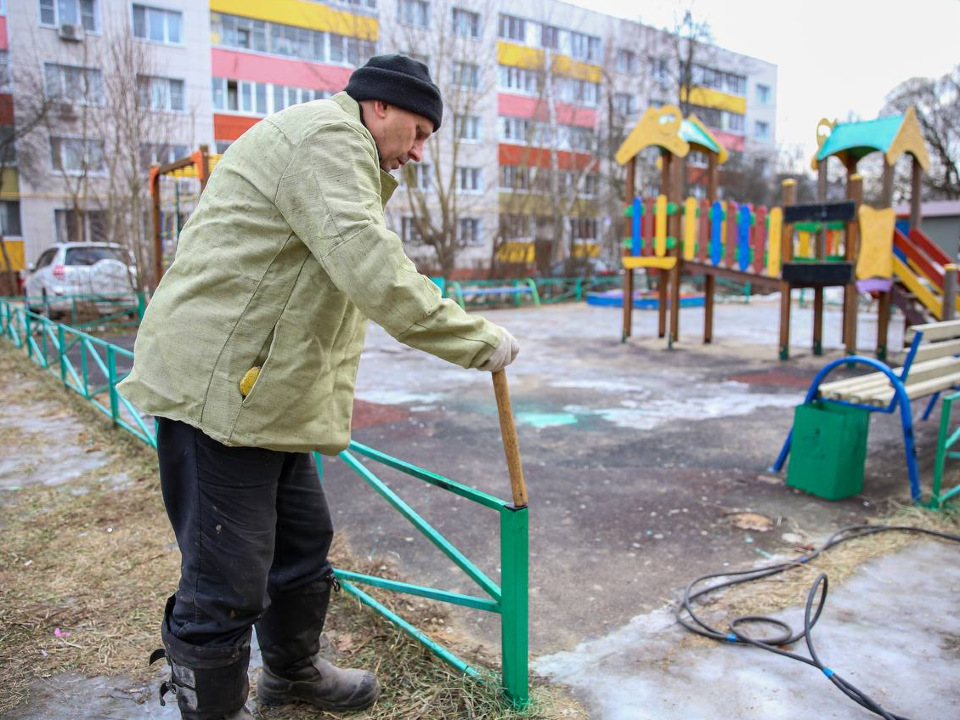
point(91, 255)
point(46, 258)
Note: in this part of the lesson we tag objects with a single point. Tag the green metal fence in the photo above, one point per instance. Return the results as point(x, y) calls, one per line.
point(92, 367)
point(489, 293)
point(945, 440)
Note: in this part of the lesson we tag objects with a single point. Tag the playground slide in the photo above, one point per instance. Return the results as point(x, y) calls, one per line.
point(918, 268)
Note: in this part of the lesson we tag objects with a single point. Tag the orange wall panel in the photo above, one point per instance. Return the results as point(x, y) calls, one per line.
point(230, 127)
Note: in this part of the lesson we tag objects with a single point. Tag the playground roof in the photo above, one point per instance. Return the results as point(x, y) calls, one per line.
point(894, 136)
point(664, 128)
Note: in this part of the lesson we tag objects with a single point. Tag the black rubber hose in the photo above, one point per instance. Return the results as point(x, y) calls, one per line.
point(685, 615)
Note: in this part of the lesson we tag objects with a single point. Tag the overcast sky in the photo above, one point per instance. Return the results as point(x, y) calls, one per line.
point(834, 57)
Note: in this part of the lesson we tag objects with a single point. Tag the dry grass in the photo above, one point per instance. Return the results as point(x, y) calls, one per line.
point(790, 588)
point(99, 566)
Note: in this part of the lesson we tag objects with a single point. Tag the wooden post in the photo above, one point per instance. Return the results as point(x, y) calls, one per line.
point(712, 181)
point(886, 197)
point(673, 230)
point(511, 446)
point(663, 277)
point(627, 304)
point(819, 254)
point(916, 214)
point(786, 255)
point(883, 323)
point(949, 309)
point(204, 167)
point(709, 288)
point(157, 234)
point(855, 193)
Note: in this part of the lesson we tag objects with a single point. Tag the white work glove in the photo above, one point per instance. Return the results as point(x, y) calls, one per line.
point(505, 353)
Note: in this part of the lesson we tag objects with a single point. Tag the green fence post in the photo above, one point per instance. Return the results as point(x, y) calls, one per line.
point(112, 367)
point(141, 306)
point(63, 364)
point(83, 364)
point(514, 580)
point(26, 337)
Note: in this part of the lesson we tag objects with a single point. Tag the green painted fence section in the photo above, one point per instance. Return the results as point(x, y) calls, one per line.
point(92, 367)
point(539, 291)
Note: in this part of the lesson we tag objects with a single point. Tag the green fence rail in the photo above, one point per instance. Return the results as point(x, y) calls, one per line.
point(542, 291)
point(92, 368)
point(89, 310)
point(945, 440)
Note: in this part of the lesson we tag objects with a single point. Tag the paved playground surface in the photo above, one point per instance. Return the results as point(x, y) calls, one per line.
point(638, 461)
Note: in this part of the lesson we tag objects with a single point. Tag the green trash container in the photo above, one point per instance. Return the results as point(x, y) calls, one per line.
point(829, 449)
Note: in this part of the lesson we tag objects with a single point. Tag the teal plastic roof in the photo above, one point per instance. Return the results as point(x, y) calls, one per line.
point(694, 135)
point(861, 138)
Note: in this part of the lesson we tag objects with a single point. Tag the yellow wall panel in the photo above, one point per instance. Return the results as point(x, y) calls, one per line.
point(15, 251)
point(717, 100)
point(521, 56)
point(11, 184)
point(301, 14)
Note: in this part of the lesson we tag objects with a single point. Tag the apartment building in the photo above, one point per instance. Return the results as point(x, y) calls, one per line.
point(538, 96)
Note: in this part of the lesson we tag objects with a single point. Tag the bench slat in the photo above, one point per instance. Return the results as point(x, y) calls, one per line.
point(936, 350)
point(869, 385)
point(921, 389)
point(935, 331)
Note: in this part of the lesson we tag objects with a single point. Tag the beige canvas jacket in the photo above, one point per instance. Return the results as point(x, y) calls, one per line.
point(281, 265)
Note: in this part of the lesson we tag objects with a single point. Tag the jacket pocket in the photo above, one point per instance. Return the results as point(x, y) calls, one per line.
point(264, 363)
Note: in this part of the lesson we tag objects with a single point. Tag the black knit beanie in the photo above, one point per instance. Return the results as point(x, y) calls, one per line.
point(401, 81)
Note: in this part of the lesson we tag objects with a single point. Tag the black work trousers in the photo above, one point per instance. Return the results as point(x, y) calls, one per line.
point(251, 523)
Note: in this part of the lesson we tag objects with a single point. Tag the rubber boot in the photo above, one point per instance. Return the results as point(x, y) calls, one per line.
point(293, 671)
point(209, 683)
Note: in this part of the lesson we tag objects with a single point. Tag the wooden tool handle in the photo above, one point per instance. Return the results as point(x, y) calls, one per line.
point(511, 448)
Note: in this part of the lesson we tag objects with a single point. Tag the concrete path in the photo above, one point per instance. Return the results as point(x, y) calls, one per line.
point(893, 631)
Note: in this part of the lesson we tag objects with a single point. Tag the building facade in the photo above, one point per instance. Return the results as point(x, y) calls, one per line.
point(538, 96)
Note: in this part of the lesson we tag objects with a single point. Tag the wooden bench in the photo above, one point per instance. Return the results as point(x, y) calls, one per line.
point(932, 365)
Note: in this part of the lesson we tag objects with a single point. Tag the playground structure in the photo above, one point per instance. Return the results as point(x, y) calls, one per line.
point(197, 165)
point(840, 244)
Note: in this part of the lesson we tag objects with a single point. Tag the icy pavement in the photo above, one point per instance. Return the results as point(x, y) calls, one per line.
point(892, 630)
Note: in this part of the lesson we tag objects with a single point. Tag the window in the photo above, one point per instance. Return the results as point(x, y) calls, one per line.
point(519, 80)
point(466, 23)
point(583, 229)
point(515, 130)
point(75, 156)
point(660, 70)
point(579, 92)
point(591, 185)
point(10, 219)
point(5, 84)
point(763, 94)
point(585, 47)
point(222, 146)
point(79, 85)
point(468, 127)
point(90, 226)
point(468, 231)
point(8, 146)
point(46, 258)
point(515, 227)
point(90, 255)
point(414, 12)
point(735, 122)
point(156, 25)
point(71, 12)
point(160, 154)
point(470, 179)
point(409, 231)
point(627, 61)
point(512, 28)
point(466, 74)
point(696, 158)
point(550, 37)
point(736, 84)
point(417, 175)
point(762, 129)
point(625, 104)
point(158, 93)
point(711, 117)
point(514, 178)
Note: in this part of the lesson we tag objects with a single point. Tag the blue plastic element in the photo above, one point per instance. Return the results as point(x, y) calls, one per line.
point(716, 232)
point(743, 238)
point(733, 638)
point(635, 231)
point(828, 672)
point(900, 400)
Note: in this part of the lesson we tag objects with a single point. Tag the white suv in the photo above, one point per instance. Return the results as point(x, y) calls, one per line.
point(66, 269)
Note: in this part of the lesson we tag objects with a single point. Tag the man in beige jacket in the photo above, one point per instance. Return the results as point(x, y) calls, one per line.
point(248, 355)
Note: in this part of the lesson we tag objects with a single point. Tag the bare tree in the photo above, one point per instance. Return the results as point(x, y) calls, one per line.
point(937, 103)
point(19, 146)
point(444, 190)
point(141, 106)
